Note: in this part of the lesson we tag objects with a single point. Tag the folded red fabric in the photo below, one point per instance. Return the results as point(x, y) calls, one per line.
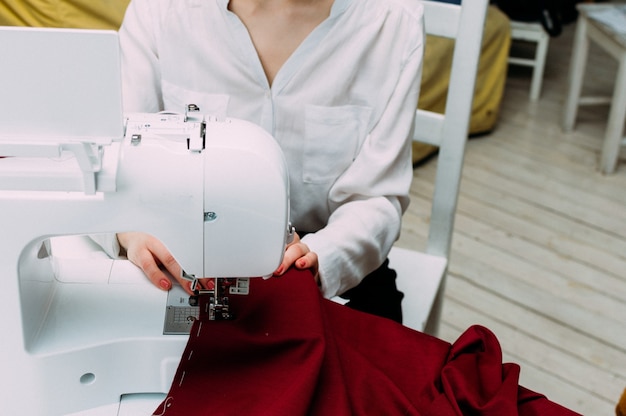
point(291, 352)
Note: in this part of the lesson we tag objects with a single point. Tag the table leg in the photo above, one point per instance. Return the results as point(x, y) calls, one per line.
point(580, 50)
point(615, 125)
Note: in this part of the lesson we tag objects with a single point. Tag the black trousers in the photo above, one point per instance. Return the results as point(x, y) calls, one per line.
point(377, 294)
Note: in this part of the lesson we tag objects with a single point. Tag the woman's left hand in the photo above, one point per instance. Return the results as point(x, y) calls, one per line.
point(299, 255)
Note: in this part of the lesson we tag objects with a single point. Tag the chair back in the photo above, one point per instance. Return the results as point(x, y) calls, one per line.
point(422, 273)
point(449, 131)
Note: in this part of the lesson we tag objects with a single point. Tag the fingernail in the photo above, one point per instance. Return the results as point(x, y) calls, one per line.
point(164, 284)
point(279, 271)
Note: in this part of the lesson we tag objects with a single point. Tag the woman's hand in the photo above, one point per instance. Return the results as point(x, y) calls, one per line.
point(299, 255)
point(150, 255)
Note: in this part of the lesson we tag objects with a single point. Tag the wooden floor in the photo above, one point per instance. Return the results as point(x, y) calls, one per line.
point(539, 250)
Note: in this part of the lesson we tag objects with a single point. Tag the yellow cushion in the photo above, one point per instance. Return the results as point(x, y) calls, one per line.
point(492, 69)
point(87, 14)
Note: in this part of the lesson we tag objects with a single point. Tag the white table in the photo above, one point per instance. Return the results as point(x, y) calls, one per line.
point(613, 41)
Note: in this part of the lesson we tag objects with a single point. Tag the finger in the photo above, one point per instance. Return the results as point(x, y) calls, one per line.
point(288, 256)
point(167, 260)
point(149, 253)
point(308, 261)
point(147, 263)
point(207, 283)
point(292, 253)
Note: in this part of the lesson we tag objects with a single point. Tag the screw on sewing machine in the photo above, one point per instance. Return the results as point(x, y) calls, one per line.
point(210, 216)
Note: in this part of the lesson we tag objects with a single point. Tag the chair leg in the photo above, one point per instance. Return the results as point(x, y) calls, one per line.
point(540, 63)
point(434, 319)
point(577, 70)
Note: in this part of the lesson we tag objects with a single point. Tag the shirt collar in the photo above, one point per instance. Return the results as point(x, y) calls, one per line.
point(339, 6)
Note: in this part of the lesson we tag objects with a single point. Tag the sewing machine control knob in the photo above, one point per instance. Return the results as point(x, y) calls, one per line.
point(192, 112)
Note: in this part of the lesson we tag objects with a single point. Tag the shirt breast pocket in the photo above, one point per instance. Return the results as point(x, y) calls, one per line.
point(333, 138)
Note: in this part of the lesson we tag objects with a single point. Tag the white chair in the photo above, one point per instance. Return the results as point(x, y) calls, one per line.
point(535, 33)
point(421, 275)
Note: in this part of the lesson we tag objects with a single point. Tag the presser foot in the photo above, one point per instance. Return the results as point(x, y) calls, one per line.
point(217, 290)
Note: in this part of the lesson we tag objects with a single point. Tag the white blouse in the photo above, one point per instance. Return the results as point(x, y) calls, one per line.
point(341, 107)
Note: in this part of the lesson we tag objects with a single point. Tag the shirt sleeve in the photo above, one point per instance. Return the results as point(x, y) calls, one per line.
point(368, 200)
point(140, 80)
point(141, 75)
point(108, 242)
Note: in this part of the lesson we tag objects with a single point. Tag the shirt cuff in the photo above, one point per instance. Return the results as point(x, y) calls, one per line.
point(108, 243)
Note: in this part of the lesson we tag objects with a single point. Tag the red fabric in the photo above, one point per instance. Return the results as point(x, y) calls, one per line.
point(291, 352)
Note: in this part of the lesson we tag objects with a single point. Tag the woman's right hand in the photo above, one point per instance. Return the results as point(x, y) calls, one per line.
point(150, 255)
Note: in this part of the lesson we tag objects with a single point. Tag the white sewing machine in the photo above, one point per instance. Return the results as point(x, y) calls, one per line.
point(83, 333)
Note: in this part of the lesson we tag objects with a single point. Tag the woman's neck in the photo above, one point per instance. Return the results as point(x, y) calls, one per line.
point(278, 27)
